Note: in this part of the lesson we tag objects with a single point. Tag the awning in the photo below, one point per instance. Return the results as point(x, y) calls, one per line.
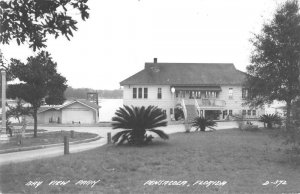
point(197, 88)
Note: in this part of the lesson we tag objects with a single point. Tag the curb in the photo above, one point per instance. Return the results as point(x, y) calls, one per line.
point(48, 146)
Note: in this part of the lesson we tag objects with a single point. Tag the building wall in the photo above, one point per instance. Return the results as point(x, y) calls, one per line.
point(78, 113)
point(236, 102)
point(168, 101)
point(49, 116)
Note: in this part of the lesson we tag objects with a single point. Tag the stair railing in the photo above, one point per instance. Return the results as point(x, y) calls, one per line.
point(197, 106)
point(184, 109)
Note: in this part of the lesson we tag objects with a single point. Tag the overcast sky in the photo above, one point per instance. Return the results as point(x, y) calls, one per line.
point(121, 35)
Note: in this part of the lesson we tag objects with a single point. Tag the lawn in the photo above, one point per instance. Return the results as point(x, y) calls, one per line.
point(45, 139)
point(245, 160)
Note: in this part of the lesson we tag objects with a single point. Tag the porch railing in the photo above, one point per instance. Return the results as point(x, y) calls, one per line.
point(204, 102)
point(211, 102)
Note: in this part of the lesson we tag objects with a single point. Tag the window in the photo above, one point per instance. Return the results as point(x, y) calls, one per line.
point(159, 93)
point(225, 112)
point(140, 92)
point(171, 111)
point(134, 92)
point(230, 93)
point(244, 112)
point(165, 112)
point(230, 112)
point(146, 93)
point(254, 112)
point(210, 94)
point(249, 112)
point(245, 93)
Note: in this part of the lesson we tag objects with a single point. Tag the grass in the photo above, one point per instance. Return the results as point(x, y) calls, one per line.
point(245, 160)
point(45, 139)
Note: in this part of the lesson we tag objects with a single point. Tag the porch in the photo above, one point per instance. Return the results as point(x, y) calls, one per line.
point(202, 96)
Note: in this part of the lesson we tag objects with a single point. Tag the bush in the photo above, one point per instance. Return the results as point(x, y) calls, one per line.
point(178, 113)
point(249, 127)
point(201, 123)
point(270, 120)
point(137, 121)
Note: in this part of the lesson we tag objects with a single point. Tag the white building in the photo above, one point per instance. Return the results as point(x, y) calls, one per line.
point(203, 88)
point(72, 112)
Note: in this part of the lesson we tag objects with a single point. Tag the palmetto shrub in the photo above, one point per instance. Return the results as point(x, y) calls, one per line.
point(201, 123)
point(137, 121)
point(178, 113)
point(270, 119)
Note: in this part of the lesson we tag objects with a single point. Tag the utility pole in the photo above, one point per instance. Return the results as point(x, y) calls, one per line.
point(3, 135)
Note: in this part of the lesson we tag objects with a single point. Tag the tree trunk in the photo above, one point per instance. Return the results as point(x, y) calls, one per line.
point(35, 122)
point(288, 114)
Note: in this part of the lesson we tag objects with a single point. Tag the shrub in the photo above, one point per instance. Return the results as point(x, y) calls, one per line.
point(178, 113)
point(137, 121)
point(249, 126)
point(270, 120)
point(201, 123)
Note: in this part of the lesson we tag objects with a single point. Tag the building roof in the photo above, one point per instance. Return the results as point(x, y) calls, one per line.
point(181, 74)
point(45, 108)
point(67, 103)
point(84, 102)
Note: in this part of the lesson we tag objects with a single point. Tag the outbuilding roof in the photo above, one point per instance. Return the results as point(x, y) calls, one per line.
point(67, 103)
point(183, 74)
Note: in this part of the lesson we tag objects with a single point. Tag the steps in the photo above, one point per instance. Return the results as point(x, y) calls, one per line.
point(191, 113)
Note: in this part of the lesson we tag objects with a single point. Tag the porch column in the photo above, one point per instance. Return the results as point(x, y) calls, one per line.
point(174, 104)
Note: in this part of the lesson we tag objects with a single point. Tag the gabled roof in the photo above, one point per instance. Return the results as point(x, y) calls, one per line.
point(181, 74)
point(45, 108)
point(81, 101)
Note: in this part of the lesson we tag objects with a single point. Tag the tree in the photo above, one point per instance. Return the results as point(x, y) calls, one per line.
point(274, 73)
point(32, 20)
point(18, 111)
point(39, 80)
point(136, 121)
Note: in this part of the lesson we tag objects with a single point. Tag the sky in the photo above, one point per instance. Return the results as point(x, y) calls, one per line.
point(120, 36)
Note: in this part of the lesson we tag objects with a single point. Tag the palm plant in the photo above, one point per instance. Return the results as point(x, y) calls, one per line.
point(201, 123)
point(270, 119)
point(137, 121)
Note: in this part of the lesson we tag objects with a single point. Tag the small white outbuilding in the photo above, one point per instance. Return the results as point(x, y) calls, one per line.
point(71, 112)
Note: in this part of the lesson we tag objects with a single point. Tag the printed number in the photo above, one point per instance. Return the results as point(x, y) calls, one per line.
point(276, 183)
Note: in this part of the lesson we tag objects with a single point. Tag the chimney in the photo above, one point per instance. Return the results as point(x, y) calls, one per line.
point(155, 60)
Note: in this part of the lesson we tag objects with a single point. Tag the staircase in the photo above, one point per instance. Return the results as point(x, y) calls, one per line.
point(191, 113)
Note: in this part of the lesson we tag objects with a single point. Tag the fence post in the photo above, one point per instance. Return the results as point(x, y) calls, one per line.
point(72, 133)
point(109, 138)
point(66, 145)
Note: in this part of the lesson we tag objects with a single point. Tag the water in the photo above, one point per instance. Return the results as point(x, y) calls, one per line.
point(108, 108)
